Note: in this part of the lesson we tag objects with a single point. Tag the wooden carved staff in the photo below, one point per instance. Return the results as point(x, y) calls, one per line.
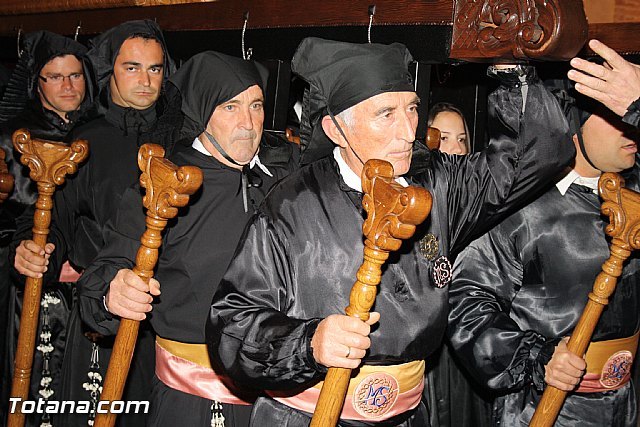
point(6, 179)
point(167, 188)
point(393, 212)
point(623, 208)
point(49, 163)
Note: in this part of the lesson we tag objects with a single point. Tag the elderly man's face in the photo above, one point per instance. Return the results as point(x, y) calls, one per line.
point(383, 127)
point(137, 74)
point(61, 85)
point(237, 126)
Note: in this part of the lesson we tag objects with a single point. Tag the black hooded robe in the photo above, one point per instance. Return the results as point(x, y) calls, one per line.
point(204, 235)
point(21, 108)
point(522, 287)
point(298, 258)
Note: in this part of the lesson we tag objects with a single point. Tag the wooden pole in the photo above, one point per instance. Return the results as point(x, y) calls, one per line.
point(49, 163)
point(392, 215)
point(623, 208)
point(6, 179)
point(167, 188)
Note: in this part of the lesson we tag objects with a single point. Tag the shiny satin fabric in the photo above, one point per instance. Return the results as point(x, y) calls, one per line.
point(523, 286)
point(297, 261)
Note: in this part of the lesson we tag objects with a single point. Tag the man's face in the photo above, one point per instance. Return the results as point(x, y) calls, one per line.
point(64, 88)
point(610, 144)
point(237, 126)
point(137, 74)
point(384, 127)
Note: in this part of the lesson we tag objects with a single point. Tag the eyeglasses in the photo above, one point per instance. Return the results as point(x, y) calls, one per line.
point(59, 78)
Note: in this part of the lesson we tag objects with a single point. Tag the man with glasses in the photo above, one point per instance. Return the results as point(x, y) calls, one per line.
point(46, 94)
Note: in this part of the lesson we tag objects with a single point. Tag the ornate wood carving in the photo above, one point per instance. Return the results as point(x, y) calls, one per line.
point(168, 187)
point(520, 29)
point(392, 215)
point(623, 208)
point(6, 179)
point(49, 162)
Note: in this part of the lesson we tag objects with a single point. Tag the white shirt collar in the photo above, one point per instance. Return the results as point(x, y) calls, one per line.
point(573, 176)
point(197, 145)
point(351, 178)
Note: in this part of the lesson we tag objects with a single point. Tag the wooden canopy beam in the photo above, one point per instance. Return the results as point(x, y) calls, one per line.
point(434, 30)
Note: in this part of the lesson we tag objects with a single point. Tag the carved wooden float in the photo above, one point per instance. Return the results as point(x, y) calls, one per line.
point(434, 30)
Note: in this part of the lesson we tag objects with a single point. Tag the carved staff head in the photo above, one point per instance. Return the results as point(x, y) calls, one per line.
point(393, 211)
point(49, 161)
point(622, 206)
point(168, 187)
point(518, 29)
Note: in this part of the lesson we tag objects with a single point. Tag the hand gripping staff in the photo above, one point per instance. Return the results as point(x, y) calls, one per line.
point(393, 212)
point(6, 179)
point(167, 188)
point(623, 208)
point(49, 162)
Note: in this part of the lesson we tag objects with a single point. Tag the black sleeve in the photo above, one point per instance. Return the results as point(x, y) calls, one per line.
point(494, 349)
point(529, 146)
point(248, 333)
point(122, 239)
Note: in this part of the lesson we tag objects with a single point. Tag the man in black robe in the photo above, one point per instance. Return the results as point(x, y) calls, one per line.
point(519, 290)
point(131, 63)
point(222, 100)
point(49, 89)
point(274, 322)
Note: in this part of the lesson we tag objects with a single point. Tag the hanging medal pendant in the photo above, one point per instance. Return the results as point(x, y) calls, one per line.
point(429, 247)
point(441, 272)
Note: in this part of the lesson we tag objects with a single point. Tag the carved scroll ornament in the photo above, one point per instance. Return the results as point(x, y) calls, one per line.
point(518, 29)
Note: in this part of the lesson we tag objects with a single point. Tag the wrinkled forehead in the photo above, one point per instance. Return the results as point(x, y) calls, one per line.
point(387, 100)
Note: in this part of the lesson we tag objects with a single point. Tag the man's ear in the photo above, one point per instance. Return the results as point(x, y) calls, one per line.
point(332, 132)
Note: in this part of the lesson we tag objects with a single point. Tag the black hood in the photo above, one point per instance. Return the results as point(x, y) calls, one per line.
point(209, 79)
point(106, 46)
point(341, 75)
point(39, 48)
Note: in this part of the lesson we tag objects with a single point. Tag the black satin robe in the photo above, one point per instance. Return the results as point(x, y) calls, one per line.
point(195, 253)
point(298, 258)
point(523, 286)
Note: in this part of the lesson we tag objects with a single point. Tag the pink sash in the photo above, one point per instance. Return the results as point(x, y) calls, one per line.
point(189, 377)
